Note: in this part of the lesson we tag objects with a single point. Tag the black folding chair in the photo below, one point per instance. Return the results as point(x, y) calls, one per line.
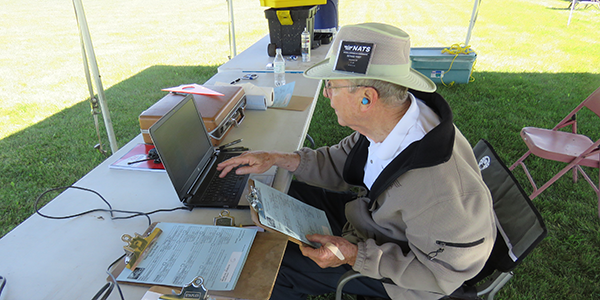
point(520, 230)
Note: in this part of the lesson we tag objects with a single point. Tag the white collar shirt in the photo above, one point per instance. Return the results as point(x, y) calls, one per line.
point(418, 120)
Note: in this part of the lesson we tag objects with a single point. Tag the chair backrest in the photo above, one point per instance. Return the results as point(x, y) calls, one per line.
point(592, 102)
point(520, 225)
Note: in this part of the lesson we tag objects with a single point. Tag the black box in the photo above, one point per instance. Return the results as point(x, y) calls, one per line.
point(287, 37)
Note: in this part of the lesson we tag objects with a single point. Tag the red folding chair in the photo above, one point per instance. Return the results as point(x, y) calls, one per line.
point(569, 147)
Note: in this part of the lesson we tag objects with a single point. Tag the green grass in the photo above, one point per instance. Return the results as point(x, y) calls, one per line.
point(531, 70)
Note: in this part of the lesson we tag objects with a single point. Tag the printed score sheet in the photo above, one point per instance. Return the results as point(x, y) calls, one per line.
point(184, 251)
point(290, 216)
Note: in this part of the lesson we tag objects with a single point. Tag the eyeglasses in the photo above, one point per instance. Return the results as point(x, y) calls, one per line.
point(328, 87)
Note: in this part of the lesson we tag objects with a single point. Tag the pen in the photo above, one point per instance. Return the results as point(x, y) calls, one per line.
point(235, 149)
point(230, 144)
point(138, 161)
point(268, 71)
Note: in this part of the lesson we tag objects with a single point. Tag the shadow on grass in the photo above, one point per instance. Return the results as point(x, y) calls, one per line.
point(60, 149)
point(567, 6)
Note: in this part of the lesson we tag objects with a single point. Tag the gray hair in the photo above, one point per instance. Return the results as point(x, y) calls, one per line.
point(389, 93)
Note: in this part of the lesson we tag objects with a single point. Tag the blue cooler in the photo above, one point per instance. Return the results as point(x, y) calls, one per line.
point(434, 64)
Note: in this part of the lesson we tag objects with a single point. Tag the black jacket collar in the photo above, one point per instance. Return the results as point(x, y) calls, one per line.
point(433, 149)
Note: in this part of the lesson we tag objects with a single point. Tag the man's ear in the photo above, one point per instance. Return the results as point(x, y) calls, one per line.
point(371, 96)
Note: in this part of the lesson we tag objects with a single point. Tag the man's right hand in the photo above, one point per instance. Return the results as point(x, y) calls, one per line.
point(259, 162)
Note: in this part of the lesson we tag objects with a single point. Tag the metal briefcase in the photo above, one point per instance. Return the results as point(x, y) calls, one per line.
point(220, 113)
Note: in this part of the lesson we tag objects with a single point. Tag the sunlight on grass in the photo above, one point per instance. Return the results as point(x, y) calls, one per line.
point(42, 63)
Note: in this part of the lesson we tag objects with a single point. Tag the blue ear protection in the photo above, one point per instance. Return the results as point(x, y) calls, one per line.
point(365, 101)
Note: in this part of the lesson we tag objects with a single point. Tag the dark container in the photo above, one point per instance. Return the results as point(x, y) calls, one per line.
point(286, 26)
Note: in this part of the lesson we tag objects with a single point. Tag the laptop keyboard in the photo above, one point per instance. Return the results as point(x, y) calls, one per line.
point(224, 191)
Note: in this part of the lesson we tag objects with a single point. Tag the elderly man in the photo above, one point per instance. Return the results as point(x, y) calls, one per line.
point(423, 222)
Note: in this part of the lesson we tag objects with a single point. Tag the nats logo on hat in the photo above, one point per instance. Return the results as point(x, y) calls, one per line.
point(354, 57)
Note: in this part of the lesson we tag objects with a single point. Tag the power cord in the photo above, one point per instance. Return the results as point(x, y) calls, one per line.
point(107, 289)
point(110, 209)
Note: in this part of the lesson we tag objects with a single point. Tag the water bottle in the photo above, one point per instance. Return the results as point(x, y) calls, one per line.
point(305, 40)
point(279, 68)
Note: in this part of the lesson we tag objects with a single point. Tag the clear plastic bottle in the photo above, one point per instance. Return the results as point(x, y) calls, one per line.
point(305, 41)
point(279, 68)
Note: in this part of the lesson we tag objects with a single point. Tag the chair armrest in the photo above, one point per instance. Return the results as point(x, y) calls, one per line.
point(343, 280)
point(493, 284)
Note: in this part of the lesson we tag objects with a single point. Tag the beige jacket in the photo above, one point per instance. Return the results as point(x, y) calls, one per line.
point(427, 225)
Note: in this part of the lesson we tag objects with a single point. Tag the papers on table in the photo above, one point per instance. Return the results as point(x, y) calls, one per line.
point(184, 251)
point(137, 159)
point(283, 94)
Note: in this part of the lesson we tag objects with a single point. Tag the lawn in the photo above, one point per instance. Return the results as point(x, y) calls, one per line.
point(531, 70)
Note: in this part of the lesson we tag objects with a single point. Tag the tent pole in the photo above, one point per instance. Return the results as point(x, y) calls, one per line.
point(93, 99)
point(89, 49)
point(472, 22)
point(232, 48)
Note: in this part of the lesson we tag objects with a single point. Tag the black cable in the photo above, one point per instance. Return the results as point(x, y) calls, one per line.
point(146, 214)
point(75, 215)
point(108, 286)
point(107, 289)
point(132, 214)
point(136, 214)
point(108, 292)
point(113, 277)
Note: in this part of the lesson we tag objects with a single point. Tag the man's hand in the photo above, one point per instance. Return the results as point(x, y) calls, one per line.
point(259, 162)
point(325, 256)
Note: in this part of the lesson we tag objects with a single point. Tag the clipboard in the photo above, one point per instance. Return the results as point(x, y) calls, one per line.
point(312, 220)
point(258, 274)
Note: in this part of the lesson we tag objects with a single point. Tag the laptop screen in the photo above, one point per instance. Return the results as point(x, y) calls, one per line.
point(183, 144)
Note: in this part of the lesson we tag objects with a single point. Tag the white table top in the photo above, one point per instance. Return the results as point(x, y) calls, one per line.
point(67, 259)
point(274, 129)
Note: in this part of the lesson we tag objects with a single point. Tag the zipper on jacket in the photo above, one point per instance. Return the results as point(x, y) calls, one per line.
point(431, 255)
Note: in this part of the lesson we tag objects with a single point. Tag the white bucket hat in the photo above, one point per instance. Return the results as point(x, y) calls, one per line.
point(385, 56)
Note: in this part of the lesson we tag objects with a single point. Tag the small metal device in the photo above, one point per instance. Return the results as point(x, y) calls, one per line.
point(224, 219)
point(254, 198)
point(193, 290)
point(230, 144)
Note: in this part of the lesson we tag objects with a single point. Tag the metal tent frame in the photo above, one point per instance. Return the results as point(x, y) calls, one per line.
point(90, 65)
point(87, 51)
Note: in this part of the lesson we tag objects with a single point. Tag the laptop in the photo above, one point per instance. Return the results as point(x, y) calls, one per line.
point(190, 159)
